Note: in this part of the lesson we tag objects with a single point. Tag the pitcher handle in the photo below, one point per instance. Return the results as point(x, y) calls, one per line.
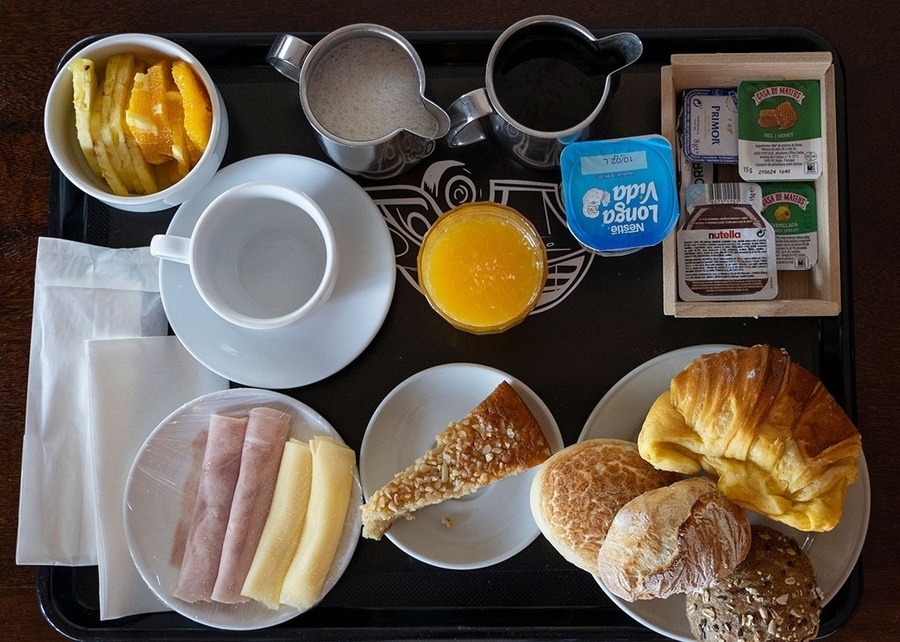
point(465, 112)
point(287, 54)
point(626, 44)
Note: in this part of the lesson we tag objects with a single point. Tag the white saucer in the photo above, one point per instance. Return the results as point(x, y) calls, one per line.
point(153, 496)
point(336, 334)
point(620, 414)
point(488, 526)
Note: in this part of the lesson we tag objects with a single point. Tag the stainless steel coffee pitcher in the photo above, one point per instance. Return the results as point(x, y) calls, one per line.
point(362, 90)
point(547, 80)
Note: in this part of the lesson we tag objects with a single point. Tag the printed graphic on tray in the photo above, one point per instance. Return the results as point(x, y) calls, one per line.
point(409, 211)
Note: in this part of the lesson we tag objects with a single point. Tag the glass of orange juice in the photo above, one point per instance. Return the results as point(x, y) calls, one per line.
point(482, 266)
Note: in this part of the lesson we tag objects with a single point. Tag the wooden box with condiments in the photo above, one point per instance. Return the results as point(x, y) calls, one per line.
point(764, 92)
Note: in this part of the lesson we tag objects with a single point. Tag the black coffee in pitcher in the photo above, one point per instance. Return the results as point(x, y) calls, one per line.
point(548, 79)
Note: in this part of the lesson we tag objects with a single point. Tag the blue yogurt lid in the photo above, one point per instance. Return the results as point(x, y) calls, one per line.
point(620, 195)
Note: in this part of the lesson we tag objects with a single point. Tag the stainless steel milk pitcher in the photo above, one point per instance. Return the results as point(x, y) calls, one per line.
point(362, 90)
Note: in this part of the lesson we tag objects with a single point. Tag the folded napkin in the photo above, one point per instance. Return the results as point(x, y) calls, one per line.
point(80, 292)
point(134, 385)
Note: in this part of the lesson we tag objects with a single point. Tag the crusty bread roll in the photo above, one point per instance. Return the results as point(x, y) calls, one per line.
point(577, 492)
point(671, 540)
point(768, 429)
point(771, 595)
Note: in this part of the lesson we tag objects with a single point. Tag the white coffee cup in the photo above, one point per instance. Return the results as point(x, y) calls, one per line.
point(262, 255)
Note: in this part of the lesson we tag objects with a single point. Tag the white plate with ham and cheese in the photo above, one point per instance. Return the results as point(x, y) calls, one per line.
point(240, 493)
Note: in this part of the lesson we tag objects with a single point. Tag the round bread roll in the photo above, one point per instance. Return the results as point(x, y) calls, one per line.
point(771, 595)
point(671, 540)
point(577, 492)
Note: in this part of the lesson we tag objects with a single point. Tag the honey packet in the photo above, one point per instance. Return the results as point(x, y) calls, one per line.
point(780, 130)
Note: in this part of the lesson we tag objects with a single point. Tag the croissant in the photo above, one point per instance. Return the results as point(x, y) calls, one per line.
point(765, 427)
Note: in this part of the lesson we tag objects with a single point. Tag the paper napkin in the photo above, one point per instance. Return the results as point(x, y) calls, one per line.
point(81, 292)
point(134, 385)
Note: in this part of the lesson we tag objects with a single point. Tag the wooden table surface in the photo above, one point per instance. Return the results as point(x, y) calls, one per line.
point(34, 35)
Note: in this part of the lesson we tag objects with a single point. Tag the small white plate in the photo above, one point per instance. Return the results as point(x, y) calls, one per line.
point(620, 414)
point(489, 526)
point(153, 496)
point(338, 332)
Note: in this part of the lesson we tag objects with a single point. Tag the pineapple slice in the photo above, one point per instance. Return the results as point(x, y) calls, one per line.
point(84, 85)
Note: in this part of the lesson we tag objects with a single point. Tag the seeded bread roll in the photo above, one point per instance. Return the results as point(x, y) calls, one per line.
point(671, 540)
point(771, 595)
point(577, 492)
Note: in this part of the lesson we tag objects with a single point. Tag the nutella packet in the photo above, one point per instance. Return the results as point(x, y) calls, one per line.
point(780, 130)
point(713, 193)
point(725, 248)
point(790, 208)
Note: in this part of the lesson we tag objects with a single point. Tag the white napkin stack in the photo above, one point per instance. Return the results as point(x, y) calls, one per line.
point(102, 375)
point(80, 292)
point(134, 385)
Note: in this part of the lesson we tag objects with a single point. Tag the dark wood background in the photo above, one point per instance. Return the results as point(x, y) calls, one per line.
point(34, 35)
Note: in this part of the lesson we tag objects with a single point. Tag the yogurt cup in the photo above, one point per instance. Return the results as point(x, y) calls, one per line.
point(620, 195)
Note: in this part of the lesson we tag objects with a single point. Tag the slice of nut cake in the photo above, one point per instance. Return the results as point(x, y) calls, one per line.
point(498, 438)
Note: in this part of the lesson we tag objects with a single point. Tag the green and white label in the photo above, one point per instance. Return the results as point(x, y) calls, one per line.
point(790, 208)
point(780, 130)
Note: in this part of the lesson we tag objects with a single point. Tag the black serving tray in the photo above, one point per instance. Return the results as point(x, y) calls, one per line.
point(570, 353)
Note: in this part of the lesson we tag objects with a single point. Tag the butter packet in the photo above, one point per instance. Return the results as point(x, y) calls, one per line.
point(780, 130)
point(710, 127)
point(790, 208)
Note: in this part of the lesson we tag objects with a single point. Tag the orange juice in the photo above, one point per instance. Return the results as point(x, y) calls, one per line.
point(482, 266)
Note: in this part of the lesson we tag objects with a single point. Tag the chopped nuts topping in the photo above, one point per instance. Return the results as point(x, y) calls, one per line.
point(480, 449)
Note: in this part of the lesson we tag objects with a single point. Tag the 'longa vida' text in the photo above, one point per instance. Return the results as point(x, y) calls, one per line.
point(631, 207)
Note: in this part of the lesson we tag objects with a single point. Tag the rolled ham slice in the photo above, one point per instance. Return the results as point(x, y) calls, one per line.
point(215, 491)
point(267, 432)
point(188, 499)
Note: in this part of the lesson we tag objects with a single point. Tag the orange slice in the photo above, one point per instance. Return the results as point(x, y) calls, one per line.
point(180, 142)
point(196, 105)
point(147, 115)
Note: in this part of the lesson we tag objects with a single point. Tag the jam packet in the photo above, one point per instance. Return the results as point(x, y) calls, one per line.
point(725, 249)
point(790, 208)
point(620, 195)
point(780, 130)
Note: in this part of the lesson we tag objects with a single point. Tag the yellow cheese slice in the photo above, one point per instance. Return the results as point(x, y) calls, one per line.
point(332, 480)
point(284, 524)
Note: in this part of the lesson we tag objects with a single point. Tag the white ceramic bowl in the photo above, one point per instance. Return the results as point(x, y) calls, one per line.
point(62, 141)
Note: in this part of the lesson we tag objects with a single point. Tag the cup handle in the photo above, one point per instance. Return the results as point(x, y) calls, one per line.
point(287, 54)
point(465, 112)
point(171, 248)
